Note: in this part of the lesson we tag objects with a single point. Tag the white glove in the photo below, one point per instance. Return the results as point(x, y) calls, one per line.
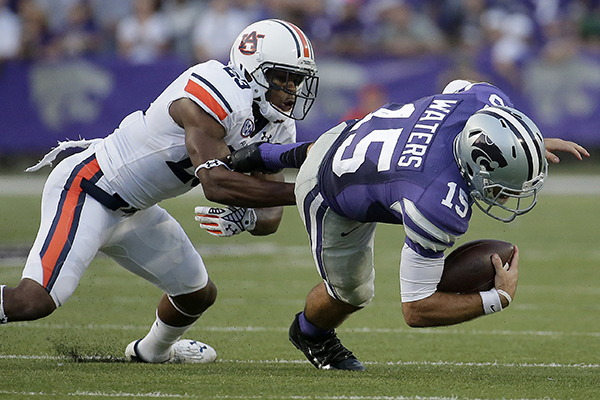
point(226, 221)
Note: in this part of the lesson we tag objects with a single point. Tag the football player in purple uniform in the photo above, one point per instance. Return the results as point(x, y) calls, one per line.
point(421, 165)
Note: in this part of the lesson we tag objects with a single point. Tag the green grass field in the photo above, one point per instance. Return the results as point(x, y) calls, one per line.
point(545, 346)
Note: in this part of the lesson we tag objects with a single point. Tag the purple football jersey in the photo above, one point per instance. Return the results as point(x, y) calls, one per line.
point(397, 166)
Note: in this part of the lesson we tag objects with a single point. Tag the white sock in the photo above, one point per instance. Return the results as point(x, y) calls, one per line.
point(3, 319)
point(156, 346)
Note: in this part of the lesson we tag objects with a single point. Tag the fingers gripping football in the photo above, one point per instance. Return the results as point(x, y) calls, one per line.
point(506, 278)
point(226, 221)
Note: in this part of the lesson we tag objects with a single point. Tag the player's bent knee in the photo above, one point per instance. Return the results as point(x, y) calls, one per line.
point(197, 302)
point(209, 294)
point(358, 297)
point(27, 302)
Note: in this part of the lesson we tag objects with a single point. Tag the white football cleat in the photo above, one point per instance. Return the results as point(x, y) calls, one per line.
point(192, 351)
point(184, 351)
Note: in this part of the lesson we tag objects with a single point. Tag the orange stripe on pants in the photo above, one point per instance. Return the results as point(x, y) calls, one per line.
point(62, 226)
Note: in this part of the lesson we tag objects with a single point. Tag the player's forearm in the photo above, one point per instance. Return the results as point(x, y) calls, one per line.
point(442, 309)
point(268, 157)
point(236, 189)
point(267, 221)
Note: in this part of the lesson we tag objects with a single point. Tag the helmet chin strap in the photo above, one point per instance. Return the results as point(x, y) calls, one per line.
point(267, 110)
point(270, 112)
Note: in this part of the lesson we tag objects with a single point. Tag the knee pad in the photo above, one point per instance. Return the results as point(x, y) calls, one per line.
point(359, 296)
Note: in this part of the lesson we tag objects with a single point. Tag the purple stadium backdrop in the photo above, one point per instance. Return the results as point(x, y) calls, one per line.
point(43, 103)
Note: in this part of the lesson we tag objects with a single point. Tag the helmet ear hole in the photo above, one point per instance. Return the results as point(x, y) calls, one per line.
point(514, 152)
point(469, 170)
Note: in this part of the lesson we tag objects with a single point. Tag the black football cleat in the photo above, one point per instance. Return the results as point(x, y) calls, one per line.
point(325, 352)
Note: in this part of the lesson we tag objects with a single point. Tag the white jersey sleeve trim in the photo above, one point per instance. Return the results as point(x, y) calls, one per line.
point(422, 241)
point(412, 212)
point(419, 276)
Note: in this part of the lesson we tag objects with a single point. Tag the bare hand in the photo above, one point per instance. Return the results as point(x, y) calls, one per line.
point(555, 144)
point(506, 278)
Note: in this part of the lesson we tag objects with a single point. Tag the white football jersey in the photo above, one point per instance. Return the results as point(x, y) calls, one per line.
point(145, 159)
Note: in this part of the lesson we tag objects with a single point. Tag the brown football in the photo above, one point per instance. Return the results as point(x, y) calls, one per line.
point(469, 267)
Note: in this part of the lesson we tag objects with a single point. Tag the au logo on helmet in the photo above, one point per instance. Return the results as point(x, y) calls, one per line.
point(248, 45)
point(486, 153)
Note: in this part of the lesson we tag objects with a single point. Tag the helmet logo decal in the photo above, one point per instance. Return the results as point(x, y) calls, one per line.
point(487, 154)
point(248, 45)
point(247, 128)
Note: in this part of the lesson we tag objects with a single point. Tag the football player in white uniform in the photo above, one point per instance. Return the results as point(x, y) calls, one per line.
point(105, 197)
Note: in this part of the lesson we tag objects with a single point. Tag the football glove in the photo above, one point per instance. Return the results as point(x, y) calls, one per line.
point(248, 159)
point(226, 221)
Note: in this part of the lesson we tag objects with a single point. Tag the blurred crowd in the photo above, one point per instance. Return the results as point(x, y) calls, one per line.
point(142, 31)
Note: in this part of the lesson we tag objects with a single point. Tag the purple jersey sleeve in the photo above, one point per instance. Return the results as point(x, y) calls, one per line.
point(435, 217)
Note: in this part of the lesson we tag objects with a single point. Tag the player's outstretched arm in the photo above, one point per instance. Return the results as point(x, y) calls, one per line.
point(555, 144)
point(268, 218)
point(204, 142)
point(268, 157)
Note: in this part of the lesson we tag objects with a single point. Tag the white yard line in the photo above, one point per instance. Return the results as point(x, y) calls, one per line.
point(259, 329)
point(161, 395)
point(398, 363)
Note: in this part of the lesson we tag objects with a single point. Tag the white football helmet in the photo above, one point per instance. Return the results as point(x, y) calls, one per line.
point(501, 155)
point(275, 45)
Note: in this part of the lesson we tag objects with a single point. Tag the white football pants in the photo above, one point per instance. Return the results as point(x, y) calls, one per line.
point(74, 227)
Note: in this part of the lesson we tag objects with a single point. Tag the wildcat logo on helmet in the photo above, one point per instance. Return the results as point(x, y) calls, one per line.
point(249, 43)
point(487, 154)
